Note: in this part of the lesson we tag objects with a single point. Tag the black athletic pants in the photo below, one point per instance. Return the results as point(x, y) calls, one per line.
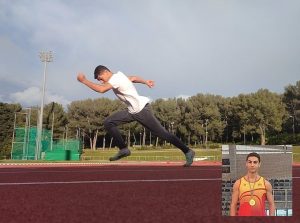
point(147, 119)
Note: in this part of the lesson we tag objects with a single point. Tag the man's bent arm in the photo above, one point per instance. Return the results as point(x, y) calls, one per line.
point(136, 79)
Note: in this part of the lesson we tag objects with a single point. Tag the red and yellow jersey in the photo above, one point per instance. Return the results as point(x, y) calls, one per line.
point(248, 207)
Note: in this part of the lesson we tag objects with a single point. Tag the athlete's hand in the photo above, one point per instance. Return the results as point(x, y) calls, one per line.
point(150, 83)
point(81, 77)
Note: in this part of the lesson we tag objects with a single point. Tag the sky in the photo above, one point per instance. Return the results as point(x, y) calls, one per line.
point(219, 47)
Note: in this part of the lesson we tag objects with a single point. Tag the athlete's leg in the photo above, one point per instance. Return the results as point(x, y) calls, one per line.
point(111, 123)
point(147, 119)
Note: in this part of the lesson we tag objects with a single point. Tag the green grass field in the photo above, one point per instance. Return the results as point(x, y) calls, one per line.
point(166, 154)
point(151, 155)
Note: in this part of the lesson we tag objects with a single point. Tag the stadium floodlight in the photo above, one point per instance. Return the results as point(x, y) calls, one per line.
point(45, 57)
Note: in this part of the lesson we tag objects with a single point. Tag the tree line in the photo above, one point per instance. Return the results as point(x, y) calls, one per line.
point(262, 118)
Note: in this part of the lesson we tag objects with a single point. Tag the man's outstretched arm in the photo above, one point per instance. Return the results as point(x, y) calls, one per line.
point(136, 79)
point(101, 88)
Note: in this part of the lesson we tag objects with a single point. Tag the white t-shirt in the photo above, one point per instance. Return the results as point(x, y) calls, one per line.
point(126, 92)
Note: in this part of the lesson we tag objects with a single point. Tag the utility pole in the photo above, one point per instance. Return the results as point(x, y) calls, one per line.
point(206, 132)
point(293, 118)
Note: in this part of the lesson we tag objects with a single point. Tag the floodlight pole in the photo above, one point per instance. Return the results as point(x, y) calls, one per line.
point(45, 57)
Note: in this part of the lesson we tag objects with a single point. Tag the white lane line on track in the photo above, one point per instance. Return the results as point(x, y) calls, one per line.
point(107, 181)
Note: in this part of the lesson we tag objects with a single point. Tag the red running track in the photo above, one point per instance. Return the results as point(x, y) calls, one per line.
point(120, 194)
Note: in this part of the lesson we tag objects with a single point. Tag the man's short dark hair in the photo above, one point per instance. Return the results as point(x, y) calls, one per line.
point(99, 69)
point(255, 155)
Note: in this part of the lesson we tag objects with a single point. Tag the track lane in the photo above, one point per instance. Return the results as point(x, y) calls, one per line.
point(166, 201)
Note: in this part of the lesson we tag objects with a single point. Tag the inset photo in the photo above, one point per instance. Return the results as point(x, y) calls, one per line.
point(256, 180)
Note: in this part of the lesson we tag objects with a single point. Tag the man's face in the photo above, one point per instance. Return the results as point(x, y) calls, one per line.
point(104, 76)
point(252, 164)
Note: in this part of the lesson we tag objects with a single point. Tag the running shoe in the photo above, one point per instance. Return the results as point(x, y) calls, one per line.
point(121, 154)
point(189, 156)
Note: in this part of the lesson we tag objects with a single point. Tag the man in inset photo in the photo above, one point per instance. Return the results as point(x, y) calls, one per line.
point(251, 191)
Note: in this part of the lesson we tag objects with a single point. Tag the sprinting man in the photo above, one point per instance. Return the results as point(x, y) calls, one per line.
point(138, 109)
point(251, 191)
